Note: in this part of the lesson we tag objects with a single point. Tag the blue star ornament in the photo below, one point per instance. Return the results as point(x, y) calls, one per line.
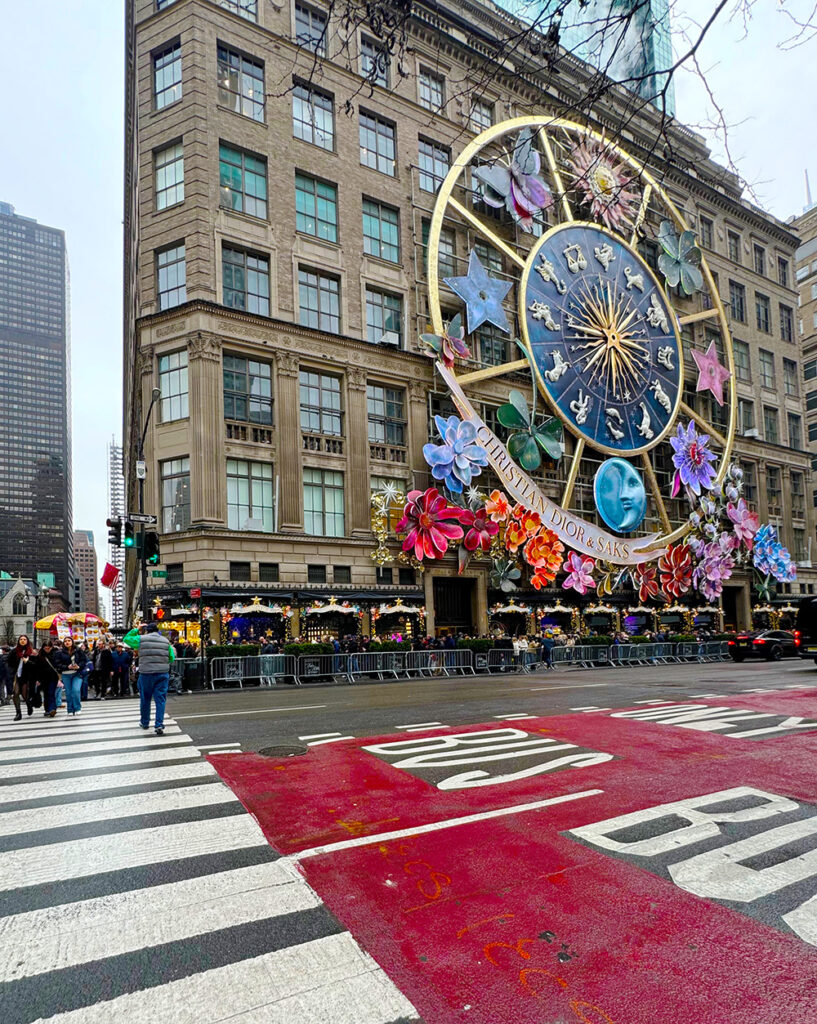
point(482, 296)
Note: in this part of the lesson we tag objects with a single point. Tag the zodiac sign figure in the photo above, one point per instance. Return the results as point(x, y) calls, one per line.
point(541, 311)
point(665, 354)
point(576, 260)
point(547, 272)
point(580, 407)
point(559, 367)
point(656, 315)
point(660, 395)
point(644, 427)
point(604, 254)
point(615, 431)
point(634, 280)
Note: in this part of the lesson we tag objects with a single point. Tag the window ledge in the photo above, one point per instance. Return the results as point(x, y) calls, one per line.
point(244, 117)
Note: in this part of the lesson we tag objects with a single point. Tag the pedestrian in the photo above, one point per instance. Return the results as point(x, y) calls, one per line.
point(48, 675)
point(6, 682)
point(70, 661)
point(103, 670)
point(20, 663)
point(85, 671)
point(121, 658)
point(154, 675)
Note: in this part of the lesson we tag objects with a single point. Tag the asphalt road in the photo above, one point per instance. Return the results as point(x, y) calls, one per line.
point(255, 719)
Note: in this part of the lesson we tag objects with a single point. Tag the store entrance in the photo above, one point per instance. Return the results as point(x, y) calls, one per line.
point(453, 606)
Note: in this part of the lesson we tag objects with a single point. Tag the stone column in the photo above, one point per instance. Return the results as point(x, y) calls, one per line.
point(153, 497)
point(428, 587)
point(290, 443)
point(418, 425)
point(208, 484)
point(357, 455)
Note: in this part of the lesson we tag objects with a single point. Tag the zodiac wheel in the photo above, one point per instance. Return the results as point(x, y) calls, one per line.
point(601, 329)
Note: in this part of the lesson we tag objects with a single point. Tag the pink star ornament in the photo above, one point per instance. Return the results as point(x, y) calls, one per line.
point(711, 375)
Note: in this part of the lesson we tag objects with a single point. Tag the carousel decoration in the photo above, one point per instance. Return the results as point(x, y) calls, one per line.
point(333, 605)
point(404, 612)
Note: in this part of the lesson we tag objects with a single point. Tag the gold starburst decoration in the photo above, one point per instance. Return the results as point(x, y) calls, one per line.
point(607, 324)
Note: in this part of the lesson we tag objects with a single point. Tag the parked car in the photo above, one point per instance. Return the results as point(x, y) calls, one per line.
point(771, 644)
point(807, 628)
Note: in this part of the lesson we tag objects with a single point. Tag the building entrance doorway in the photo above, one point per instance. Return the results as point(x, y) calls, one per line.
point(453, 606)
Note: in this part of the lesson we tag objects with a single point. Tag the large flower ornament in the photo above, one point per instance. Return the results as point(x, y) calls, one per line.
point(680, 262)
point(603, 183)
point(692, 460)
point(516, 186)
point(481, 530)
point(497, 506)
point(713, 570)
point(544, 552)
point(427, 524)
point(646, 579)
point(579, 573)
point(675, 569)
point(449, 345)
point(458, 460)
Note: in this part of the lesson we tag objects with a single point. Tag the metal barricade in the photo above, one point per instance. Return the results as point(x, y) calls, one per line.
point(664, 654)
point(686, 652)
point(561, 655)
point(186, 675)
point(503, 659)
point(273, 668)
point(532, 659)
point(227, 670)
point(377, 664)
point(321, 668)
point(425, 664)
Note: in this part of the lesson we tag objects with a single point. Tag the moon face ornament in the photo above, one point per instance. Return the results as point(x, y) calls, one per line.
point(603, 338)
point(620, 496)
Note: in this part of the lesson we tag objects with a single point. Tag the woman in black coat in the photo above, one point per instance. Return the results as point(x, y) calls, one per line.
point(20, 662)
point(69, 661)
point(48, 675)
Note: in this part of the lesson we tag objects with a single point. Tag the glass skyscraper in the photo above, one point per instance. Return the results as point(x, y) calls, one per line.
point(36, 530)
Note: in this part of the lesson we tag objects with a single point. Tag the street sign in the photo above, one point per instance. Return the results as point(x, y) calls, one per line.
point(159, 572)
point(140, 517)
point(195, 591)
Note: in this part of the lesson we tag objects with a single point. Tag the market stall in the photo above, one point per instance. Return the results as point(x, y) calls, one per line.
point(331, 618)
point(602, 619)
point(255, 622)
point(560, 617)
point(78, 625)
point(639, 620)
point(676, 618)
point(397, 620)
point(509, 619)
point(709, 617)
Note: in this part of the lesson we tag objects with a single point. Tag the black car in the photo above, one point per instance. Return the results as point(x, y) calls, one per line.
point(771, 644)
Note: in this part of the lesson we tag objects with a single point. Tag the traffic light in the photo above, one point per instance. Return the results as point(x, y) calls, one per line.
point(152, 553)
point(130, 538)
point(114, 532)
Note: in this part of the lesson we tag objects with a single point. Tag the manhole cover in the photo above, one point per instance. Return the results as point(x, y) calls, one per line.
point(283, 750)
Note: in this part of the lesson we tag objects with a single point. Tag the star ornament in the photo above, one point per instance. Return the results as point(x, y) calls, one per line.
point(711, 375)
point(482, 296)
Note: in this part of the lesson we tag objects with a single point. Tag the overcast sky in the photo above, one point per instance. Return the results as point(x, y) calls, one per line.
point(61, 131)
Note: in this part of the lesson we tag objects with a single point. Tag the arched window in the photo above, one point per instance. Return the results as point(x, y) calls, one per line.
point(19, 605)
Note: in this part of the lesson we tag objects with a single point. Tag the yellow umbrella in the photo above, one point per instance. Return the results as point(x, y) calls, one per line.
point(51, 620)
point(87, 619)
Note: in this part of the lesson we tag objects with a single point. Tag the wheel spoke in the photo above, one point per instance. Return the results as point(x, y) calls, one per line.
point(642, 213)
point(483, 229)
point(554, 173)
point(716, 435)
point(691, 318)
point(493, 371)
point(657, 497)
point(573, 474)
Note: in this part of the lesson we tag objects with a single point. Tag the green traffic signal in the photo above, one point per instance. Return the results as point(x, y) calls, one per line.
point(152, 555)
point(129, 539)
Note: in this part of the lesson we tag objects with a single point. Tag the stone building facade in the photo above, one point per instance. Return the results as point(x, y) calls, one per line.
point(806, 277)
point(87, 570)
point(277, 210)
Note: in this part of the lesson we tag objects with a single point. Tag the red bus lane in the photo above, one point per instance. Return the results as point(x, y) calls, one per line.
point(581, 868)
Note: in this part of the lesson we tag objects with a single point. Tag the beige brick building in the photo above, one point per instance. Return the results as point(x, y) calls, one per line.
point(87, 570)
point(806, 277)
point(277, 208)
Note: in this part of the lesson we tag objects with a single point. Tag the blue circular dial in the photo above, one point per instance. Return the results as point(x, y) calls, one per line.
point(603, 338)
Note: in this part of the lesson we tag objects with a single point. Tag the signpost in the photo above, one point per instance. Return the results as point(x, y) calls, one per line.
point(159, 573)
point(142, 517)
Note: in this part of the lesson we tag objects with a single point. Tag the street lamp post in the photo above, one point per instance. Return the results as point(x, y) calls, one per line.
point(140, 458)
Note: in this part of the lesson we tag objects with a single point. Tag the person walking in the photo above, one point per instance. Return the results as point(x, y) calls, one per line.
point(70, 661)
point(48, 675)
point(6, 682)
point(20, 662)
point(154, 675)
point(122, 658)
point(103, 670)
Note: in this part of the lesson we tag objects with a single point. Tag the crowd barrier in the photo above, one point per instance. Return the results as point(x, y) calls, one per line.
point(380, 666)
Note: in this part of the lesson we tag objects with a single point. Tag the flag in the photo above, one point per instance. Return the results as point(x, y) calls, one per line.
point(110, 576)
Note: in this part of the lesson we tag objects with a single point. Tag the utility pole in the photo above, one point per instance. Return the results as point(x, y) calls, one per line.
point(141, 473)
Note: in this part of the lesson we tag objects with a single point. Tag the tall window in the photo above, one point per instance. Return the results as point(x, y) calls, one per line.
point(763, 313)
point(247, 390)
point(811, 401)
point(448, 253)
point(746, 414)
point(431, 89)
point(743, 368)
point(242, 181)
point(384, 317)
point(786, 323)
point(387, 416)
point(798, 545)
point(323, 503)
point(790, 376)
point(241, 83)
point(320, 404)
point(313, 118)
point(489, 257)
point(381, 231)
point(173, 386)
point(493, 345)
point(246, 280)
point(316, 208)
point(783, 271)
point(319, 300)
point(798, 495)
point(770, 425)
point(244, 8)
point(310, 29)
point(795, 425)
point(733, 246)
point(249, 495)
point(810, 369)
point(749, 482)
point(482, 114)
point(737, 300)
point(374, 62)
point(169, 164)
point(167, 76)
point(377, 143)
point(175, 494)
point(774, 494)
point(766, 368)
point(434, 163)
point(705, 226)
point(760, 259)
point(171, 273)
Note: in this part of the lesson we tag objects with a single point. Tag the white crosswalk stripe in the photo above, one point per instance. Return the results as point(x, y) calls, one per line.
point(115, 856)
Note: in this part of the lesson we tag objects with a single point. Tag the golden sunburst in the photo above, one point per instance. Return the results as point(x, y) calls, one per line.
point(607, 324)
